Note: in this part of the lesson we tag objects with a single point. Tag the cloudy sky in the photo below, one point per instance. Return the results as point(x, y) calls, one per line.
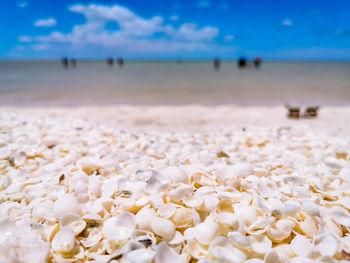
point(171, 29)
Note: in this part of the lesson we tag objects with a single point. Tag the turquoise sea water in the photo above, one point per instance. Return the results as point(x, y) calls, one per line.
point(49, 84)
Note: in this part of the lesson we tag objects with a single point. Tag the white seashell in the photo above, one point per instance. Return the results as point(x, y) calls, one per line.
point(180, 192)
point(119, 228)
point(50, 141)
point(64, 241)
point(271, 257)
point(166, 210)
point(261, 244)
point(227, 219)
point(183, 217)
point(194, 201)
point(260, 226)
point(176, 174)
point(164, 254)
point(206, 232)
point(240, 240)
point(42, 210)
point(242, 169)
point(189, 233)
point(290, 208)
point(222, 250)
point(311, 208)
point(345, 173)
point(245, 213)
point(333, 162)
point(163, 227)
point(326, 244)
point(144, 218)
point(301, 246)
point(80, 187)
point(140, 256)
point(177, 239)
point(308, 226)
point(345, 202)
point(66, 204)
point(254, 260)
point(280, 230)
point(94, 237)
point(74, 222)
point(340, 216)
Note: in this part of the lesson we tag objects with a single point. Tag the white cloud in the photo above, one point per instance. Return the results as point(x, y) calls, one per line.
point(25, 39)
point(174, 18)
point(48, 22)
point(229, 38)
point(135, 33)
point(22, 4)
point(190, 32)
point(203, 3)
point(287, 22)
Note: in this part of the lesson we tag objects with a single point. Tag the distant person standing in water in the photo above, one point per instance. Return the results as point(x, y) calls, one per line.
point(110, 62)
point(242, 62)
point(120, 62)
point(257, 62)
point(73, 62)
point(64, 62)
point(216, 63)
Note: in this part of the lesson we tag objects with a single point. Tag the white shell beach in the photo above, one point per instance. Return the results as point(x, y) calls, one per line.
point(174, 184)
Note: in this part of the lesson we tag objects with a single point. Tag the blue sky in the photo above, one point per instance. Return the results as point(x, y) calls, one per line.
point(171, 29)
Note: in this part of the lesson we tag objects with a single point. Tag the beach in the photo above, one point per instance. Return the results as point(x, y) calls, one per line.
point(190, 183)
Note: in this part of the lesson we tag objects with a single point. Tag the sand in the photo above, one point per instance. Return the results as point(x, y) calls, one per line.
point(195, 181)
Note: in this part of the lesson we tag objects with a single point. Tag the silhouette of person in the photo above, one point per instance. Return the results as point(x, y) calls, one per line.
point(216, 63)
point(242, 62)
point(257, 62)
point(110, 62)
point(73, 62)
point(120, 61)
point(64, 62)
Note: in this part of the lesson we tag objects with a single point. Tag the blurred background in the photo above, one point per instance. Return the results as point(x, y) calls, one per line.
point(174, 52)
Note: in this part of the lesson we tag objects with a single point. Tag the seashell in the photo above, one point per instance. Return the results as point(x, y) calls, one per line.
point(280, 230)
point(308, 226)
point(194, 201)
point(227, 219)
point(333, 162)
point(345, 202)
point(141, 255)
point(166, 210)
point(261, 244)
point(254, 260)
point(221, 249)
point(345, 173)
point(163, 227)
point(271, 257)
point(180, 192)
point(144, 218)
point(80, 187)
point(240, 240)
point(119, 228)
point(175, 174)
point(301, 246)
point(94, 237)
point(311, 208)
point(64, 242)
point(183, 217)
point(165, 254)
point(42, 210)
point(340, 216)
point(177, 239)
point(245, 213)
point(326, 244)
point(260, 226)
point(206, 232)
point(290, 208)
point(90, 165)
point(50, 141)
point(74, 222)
point(66, 204)
point(242, 169)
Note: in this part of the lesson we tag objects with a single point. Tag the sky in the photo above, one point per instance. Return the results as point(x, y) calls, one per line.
point(175, 29)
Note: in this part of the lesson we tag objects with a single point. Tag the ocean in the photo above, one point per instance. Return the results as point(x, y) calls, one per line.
point(168, 83)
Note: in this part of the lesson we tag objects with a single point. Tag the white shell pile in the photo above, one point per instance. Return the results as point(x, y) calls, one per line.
point(74, 191)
